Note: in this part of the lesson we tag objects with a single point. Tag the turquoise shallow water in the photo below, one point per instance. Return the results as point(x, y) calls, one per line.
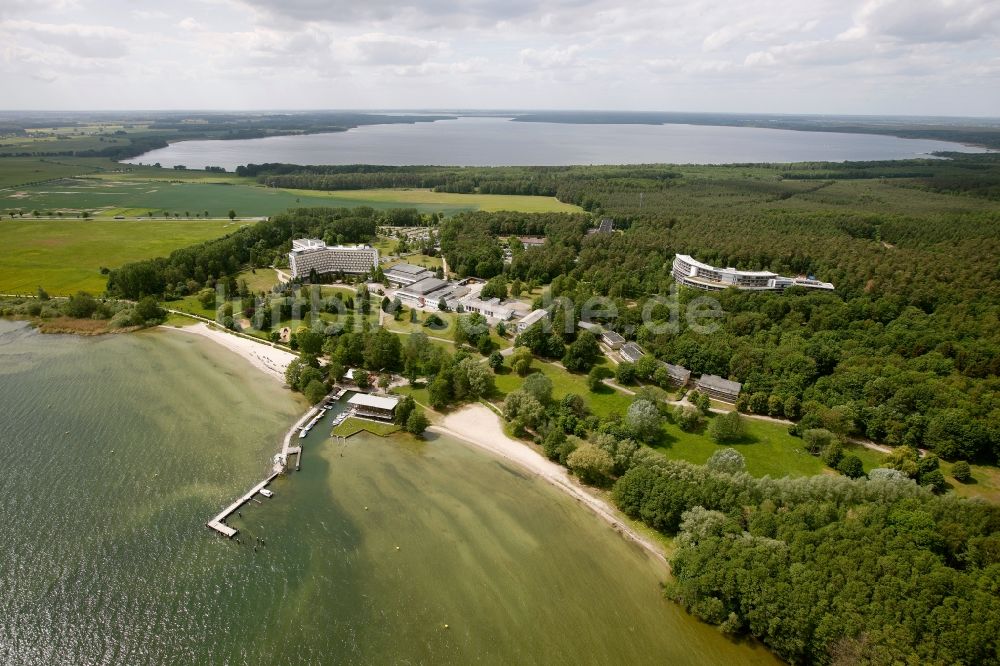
point(117, 450)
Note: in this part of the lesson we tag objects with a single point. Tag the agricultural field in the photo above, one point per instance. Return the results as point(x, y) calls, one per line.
point(16, 171)
point(444, 200)
point(195, 192)
point(65, 256)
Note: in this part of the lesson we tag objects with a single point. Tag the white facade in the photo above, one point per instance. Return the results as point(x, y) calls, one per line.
point(690, 272)
point(309, 254)
point(493, 308)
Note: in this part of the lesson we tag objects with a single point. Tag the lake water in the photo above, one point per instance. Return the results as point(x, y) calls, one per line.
point(117, 450)
point(469, 141)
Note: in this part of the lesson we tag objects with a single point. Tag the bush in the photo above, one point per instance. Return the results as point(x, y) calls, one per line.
point(729, 461)
point(726, 427)
point(643, 420)
point(851, 467)
point(961, 471)
point(539, 386)
point(314, 391)
point(591, 464)
point(689, 419)
point(625, 373)
point(833, 453)
point(417, 423)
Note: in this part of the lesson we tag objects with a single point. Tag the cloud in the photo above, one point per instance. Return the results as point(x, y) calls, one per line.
point(464, 12)
point(382, 49)
point(87, 41)
point(924, 21)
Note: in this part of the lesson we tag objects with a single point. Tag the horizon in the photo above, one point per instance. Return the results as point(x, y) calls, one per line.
point(461, 111)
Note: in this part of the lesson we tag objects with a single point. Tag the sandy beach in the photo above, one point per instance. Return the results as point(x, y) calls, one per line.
point(480, 426)
point(264, 357)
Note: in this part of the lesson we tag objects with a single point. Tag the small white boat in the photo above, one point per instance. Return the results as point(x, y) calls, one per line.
point(266, 493)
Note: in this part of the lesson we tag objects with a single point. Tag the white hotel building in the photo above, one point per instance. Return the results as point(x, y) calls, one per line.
point(693, 273)
point(310, 254)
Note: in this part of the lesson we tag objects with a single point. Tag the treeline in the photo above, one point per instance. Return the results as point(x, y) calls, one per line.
point(827, 569)
point(256, 245)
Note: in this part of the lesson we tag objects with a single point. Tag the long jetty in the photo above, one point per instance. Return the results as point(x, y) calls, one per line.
point(308, 420)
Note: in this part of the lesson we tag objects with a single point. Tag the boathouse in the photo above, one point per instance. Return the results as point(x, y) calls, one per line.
point(378, 407)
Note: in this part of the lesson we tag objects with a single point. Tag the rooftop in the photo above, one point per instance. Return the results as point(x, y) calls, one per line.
point(405, 269)
point(531, 318)
point(376, 401)
point(426, 286)
point(611, 336)
point(720, 384)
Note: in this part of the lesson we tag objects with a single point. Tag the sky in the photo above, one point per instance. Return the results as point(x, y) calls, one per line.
point(907, 57)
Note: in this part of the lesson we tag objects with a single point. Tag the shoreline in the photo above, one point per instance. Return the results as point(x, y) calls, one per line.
point(479, 426)
point(265, 358)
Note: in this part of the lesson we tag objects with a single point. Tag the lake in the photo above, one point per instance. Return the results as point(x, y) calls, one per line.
point(117, 449)
point(476, 141)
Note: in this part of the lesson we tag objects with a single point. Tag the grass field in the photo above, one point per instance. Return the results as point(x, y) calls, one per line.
point(22, 170)
point(352, 426)
point(767, 447)
point(65, 256)
point(115, 194)
point(444, 200)
point(606, 401)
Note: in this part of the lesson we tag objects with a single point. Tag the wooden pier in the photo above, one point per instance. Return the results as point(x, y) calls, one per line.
point(219, 522)
point(308, 420)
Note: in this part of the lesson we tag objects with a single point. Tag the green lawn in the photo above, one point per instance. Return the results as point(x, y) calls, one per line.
point(985, 483)
point(65, 256)
point(768, 449)
point(259, 279)
point(352, 426)
point(602, 403)
point(446, 200)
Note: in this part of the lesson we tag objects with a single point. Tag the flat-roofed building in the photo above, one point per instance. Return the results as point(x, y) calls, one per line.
point(378, 407)
point(526, 322)
point(612, 339)
point(493, 308)
point(312, 254)
point(403, 275)
point(631, 352)
point(679, 375)
point(690, 272)
point(716, 387)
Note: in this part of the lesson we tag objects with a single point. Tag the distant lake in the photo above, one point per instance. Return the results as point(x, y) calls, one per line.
point(477, 141)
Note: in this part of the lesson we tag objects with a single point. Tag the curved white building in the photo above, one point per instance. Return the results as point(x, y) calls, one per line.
point(693, 273)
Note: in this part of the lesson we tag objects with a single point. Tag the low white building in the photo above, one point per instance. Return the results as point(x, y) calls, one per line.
point(494, 308)
point(530, 319)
